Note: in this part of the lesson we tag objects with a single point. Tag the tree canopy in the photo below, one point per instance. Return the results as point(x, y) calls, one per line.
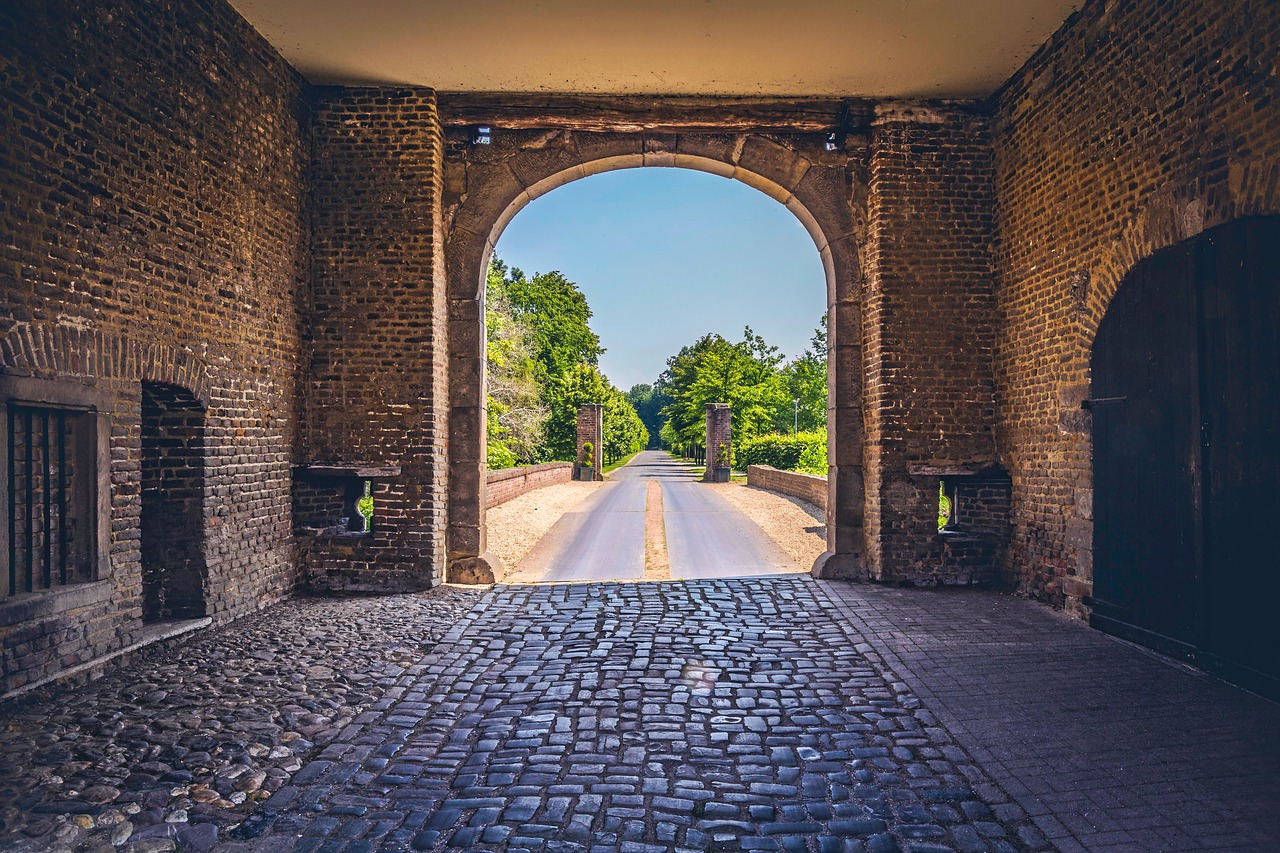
point(542, 357)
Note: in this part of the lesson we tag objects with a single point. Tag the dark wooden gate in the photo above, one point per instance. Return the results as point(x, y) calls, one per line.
point(1186, 454)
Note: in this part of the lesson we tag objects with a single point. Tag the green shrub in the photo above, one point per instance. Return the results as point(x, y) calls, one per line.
point(805, 451)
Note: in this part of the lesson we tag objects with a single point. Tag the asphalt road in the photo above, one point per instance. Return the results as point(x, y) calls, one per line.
point(604, 539)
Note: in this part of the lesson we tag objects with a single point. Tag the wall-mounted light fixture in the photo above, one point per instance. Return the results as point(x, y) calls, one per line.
point(481, 135)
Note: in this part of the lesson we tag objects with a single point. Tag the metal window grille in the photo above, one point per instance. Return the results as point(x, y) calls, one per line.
point(50, 498)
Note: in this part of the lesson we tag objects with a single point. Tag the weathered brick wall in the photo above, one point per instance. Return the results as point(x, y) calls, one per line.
point(806, 487)
point(513, 482)
point(1137, 125)
point(929, 326)
point(152, 158)
point(377, 384)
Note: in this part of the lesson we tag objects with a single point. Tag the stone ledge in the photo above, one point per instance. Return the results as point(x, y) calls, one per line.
point(149, 635)
point(35, 605)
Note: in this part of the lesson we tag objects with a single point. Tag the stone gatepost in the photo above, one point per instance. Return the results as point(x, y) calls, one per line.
point(719, 443)
point(590, 431)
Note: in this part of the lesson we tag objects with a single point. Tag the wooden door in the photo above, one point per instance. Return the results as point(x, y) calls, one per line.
point(1186, 429)
point(1239, 273)
point(1146, 452)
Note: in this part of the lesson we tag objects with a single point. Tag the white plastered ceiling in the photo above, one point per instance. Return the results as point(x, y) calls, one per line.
point(872, 48)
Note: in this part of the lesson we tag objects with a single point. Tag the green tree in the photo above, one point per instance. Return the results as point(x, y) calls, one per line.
point(557, 314)
point(648, 401)
point(713, 370)
point(624, 431)
point(806, 381)
point(517, 413)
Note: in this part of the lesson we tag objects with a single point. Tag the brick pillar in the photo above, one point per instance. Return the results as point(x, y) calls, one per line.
point(377, 388)
point(929, 312)
point(719, 426)
point(590, 429)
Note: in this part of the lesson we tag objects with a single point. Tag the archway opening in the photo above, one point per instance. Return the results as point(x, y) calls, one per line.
point(173, 503)
point(653, 293)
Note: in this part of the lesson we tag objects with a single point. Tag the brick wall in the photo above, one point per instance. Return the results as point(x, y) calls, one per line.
point(377, 379)
point(807, 487)
point(513, 482)
point(1137, 125)
point(929, 325)
point(153, 159)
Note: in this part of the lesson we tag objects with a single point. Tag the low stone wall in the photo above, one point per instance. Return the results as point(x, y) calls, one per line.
point(807, 487)
point(512, 482)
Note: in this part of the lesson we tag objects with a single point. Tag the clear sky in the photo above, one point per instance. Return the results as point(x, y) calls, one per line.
point(666, 255)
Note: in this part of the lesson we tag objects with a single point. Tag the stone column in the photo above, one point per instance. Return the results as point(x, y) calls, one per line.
point(590, 429)
point(719, 442)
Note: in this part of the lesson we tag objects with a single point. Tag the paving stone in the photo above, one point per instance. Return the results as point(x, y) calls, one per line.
point(719, 714)
point(211, 727)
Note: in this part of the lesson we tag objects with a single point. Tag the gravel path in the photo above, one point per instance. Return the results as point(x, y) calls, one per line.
point(797, 526)
point(182, 742)
point(517, 525)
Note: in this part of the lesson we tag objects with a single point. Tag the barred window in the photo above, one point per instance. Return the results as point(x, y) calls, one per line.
point(51, 481)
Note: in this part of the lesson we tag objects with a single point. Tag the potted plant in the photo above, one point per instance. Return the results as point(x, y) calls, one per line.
point(586, 465)
point(724, 463)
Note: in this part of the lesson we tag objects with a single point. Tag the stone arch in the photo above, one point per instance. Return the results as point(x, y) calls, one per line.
point(488, 185)
point(84, 354)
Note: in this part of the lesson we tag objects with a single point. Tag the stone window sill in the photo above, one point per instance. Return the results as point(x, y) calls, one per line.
point(35, 605)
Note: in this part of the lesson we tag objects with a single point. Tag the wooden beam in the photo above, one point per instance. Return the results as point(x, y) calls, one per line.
point(671, 114)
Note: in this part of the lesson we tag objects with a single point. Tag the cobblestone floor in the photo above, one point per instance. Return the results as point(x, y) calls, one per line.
point(708, 715)
point(185, 740)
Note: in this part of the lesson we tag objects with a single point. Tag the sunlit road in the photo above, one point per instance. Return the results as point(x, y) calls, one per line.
point(604, 539)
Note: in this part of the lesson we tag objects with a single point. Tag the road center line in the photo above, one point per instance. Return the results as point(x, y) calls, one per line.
point(656, 565)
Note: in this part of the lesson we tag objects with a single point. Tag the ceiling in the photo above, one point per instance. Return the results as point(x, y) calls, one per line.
point(872, 48)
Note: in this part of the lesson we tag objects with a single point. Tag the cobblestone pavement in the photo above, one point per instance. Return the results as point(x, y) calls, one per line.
point(186, 739)
point(734, 714)
point(1108, 746)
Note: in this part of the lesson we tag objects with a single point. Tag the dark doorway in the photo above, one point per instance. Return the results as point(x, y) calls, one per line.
point(173, 565)
point(1186, 443)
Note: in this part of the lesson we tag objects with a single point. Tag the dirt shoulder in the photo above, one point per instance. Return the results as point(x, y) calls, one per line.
point(517, 525)
point(797, 526)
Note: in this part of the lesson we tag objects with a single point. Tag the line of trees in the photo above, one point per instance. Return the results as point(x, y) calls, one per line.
point(543, 364)
point(767, 394)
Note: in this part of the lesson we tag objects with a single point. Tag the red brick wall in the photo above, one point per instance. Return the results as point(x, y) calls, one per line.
point(513, 482)
point(378, 377)
point(807, 487)
point(929, 318)
point(1137, 125)
point(153, 159)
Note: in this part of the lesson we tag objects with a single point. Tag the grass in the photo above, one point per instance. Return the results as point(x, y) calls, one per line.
point(612, 466)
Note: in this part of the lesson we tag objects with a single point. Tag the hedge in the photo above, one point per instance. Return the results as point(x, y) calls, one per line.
point(805, 451)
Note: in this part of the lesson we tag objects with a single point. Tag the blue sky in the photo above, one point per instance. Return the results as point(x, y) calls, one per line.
point(666, 255)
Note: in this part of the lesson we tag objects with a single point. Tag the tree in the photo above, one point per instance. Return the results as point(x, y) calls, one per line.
point(557, 314)
point(517, 413)
point(806, 381)
point(648, 401)
point(713, 370)
point(623, 431)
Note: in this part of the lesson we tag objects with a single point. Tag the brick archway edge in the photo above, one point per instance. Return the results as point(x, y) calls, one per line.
point(491, 184)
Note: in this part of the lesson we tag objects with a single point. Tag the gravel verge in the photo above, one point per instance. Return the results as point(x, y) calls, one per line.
point(517, 525)
point(173, 748)
point(797, 526)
